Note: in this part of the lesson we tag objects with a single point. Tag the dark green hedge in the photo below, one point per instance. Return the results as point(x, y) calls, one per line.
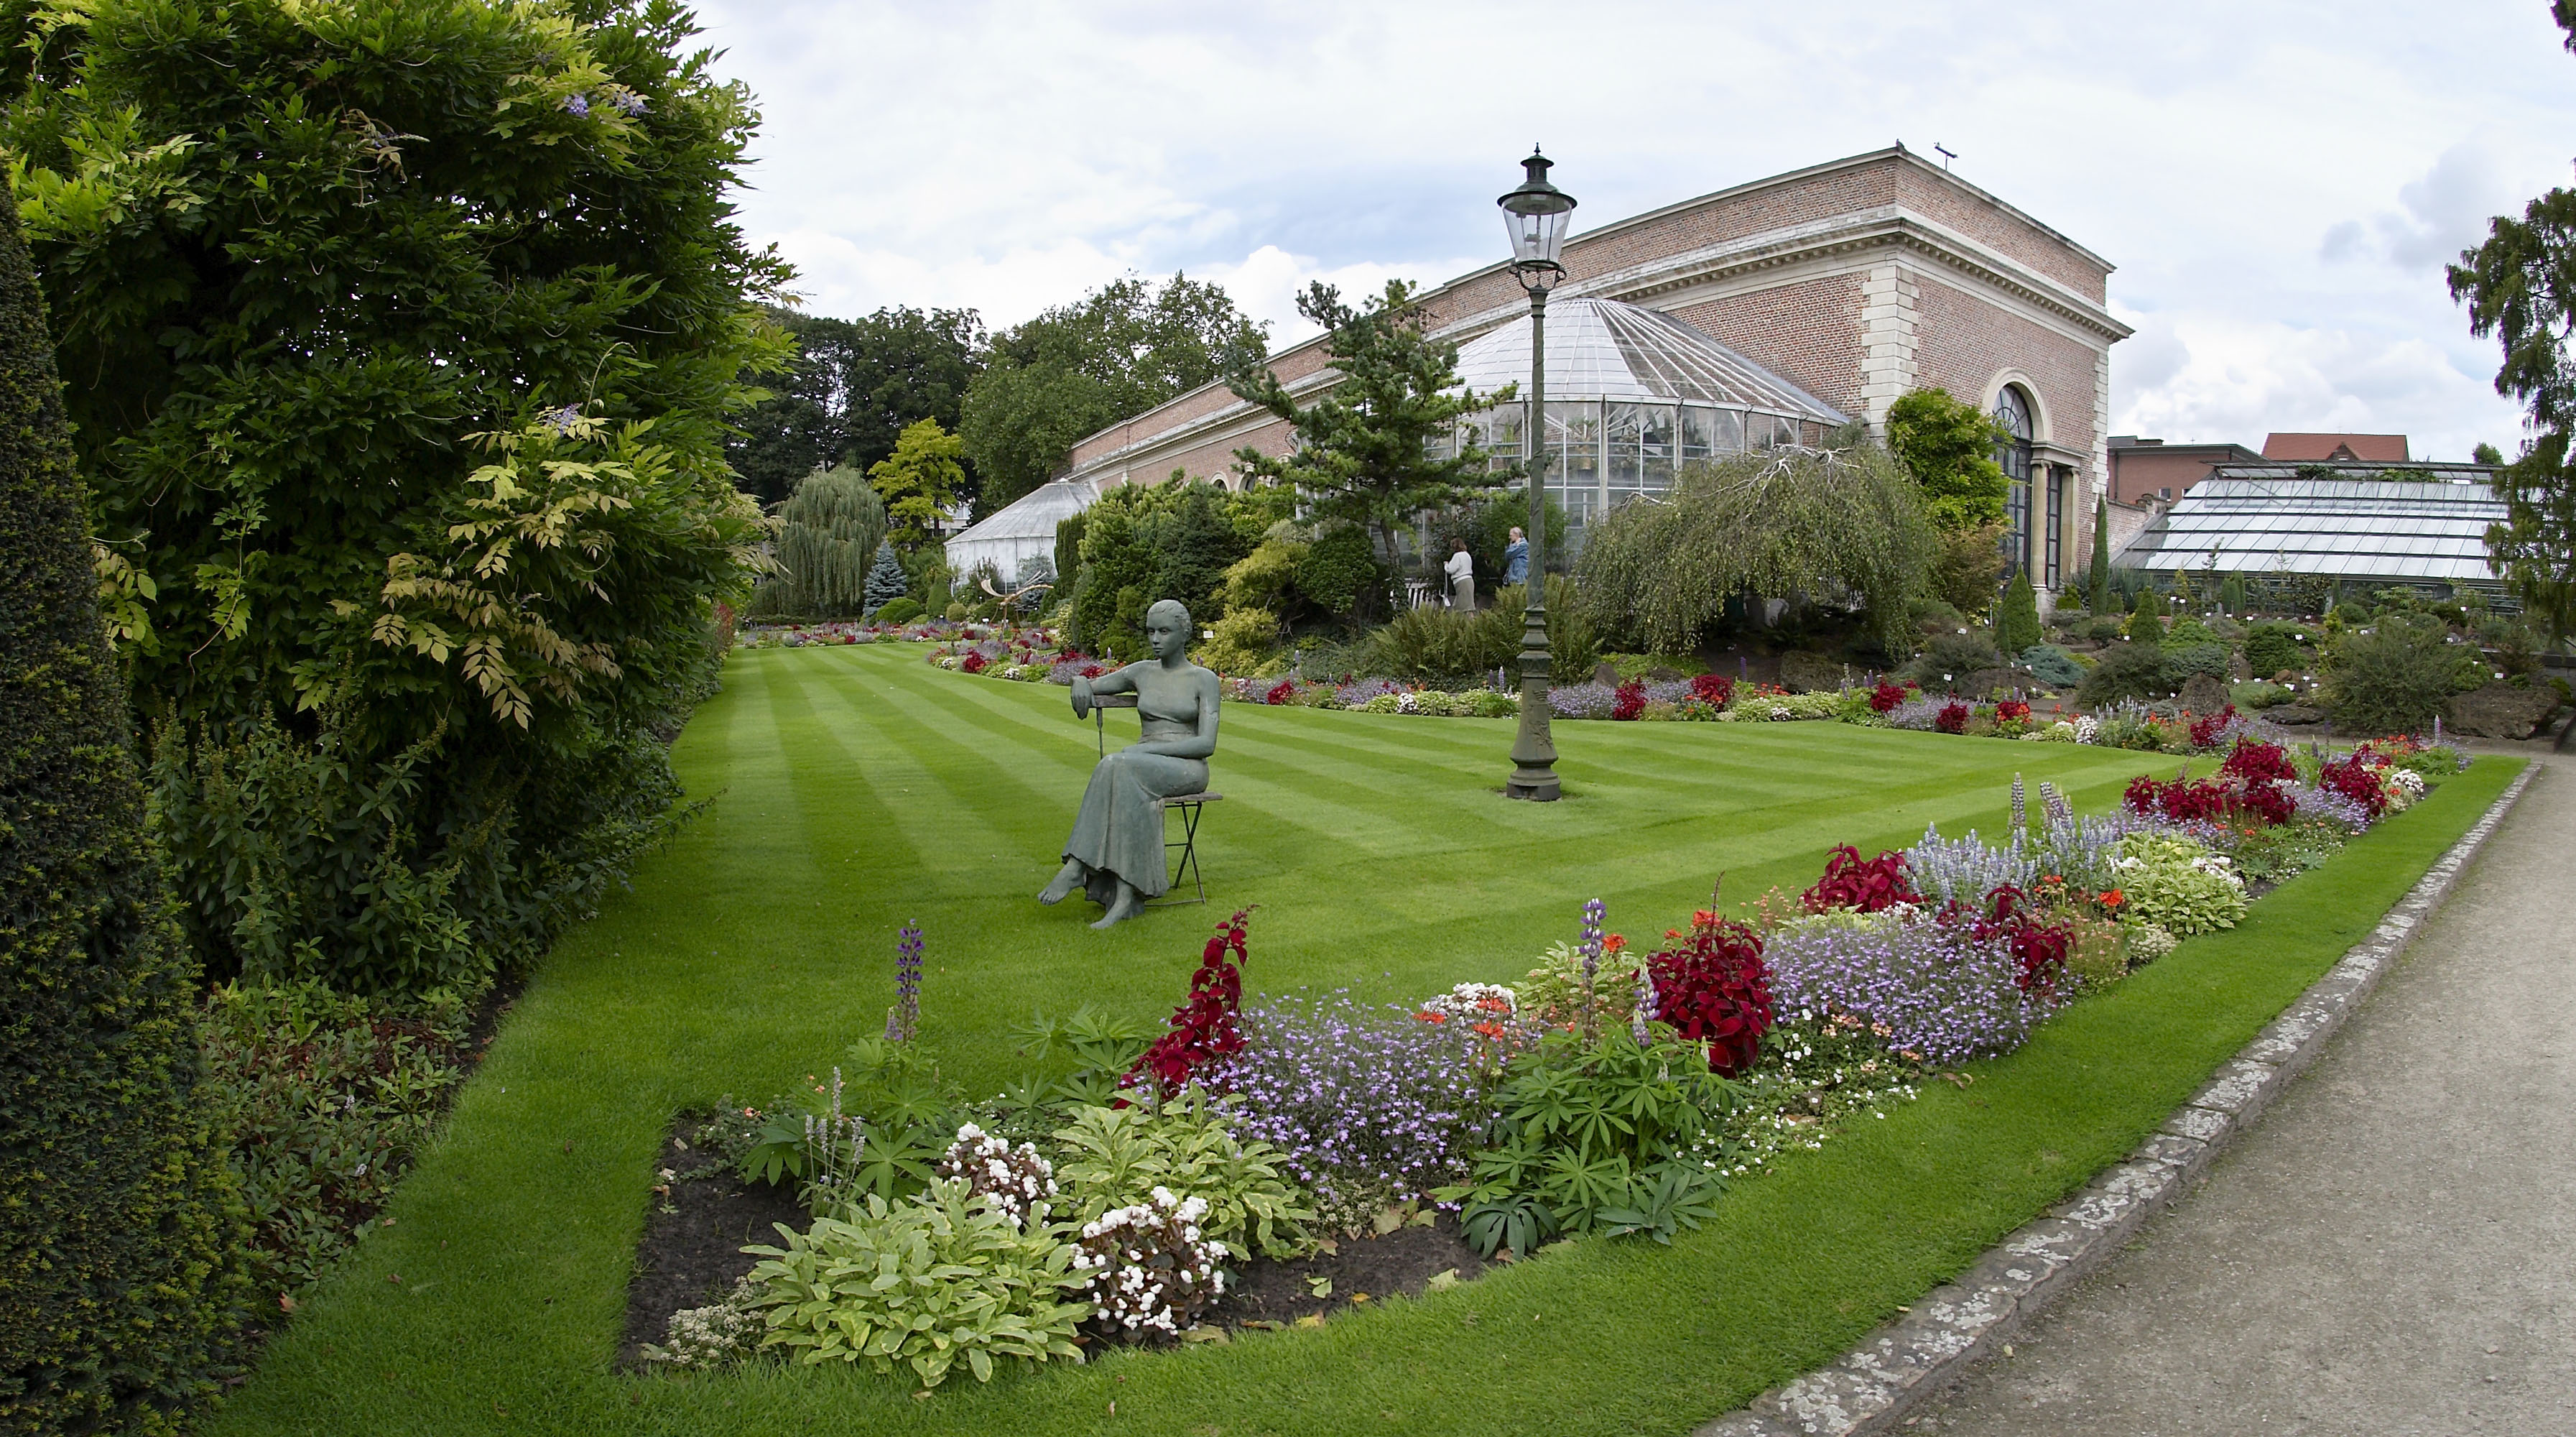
point(117, 1226)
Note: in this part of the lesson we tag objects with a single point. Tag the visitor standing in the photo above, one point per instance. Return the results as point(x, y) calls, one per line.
point(1516, 558)
point(1461, 570)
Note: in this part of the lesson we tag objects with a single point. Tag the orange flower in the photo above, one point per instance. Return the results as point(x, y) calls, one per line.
point(1614, 944)
point(1433, 1017)
point(2113, 898)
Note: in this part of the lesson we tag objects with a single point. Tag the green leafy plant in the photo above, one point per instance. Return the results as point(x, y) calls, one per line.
point(1116, 1157)
point(927, 1283)
point(1602, 1135)
point(327, 1098)
point(2177, 884)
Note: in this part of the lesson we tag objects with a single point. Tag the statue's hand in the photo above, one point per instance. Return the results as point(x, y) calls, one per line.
point(1081, 697)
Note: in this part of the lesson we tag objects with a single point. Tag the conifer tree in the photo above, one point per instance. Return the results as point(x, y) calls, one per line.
point(2100, 602)
point(2017, 620)
point(887, 581)
point(119, 1271)
point(2146, 622)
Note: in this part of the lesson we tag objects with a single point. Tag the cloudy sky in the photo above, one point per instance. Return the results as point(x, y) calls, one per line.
point(2278, 183)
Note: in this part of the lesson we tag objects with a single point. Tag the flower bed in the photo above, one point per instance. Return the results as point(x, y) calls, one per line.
point(1614, 1093)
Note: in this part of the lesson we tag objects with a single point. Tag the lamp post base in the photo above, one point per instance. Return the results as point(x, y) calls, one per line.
point(1534, 748)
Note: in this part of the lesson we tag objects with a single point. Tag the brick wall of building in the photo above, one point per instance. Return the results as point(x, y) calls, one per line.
point(1965, 341)
point(1807, 332)
point(1997, 228)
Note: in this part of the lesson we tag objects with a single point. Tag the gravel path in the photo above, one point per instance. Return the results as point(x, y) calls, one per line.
point(2392, 1249)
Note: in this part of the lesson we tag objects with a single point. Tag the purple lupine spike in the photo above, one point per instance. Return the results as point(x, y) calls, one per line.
point(904, 1019)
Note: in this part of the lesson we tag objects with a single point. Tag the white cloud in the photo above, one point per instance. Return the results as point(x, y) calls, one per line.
point(2278, 190)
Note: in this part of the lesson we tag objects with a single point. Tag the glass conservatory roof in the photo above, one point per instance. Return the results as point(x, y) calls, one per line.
point(1602, 349)
point(2260, 519)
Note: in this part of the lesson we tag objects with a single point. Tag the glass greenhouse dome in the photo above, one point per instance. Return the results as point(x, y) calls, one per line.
point(1632, 394)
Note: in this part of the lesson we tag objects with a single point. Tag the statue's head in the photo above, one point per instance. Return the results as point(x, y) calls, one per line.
point(1167, 628)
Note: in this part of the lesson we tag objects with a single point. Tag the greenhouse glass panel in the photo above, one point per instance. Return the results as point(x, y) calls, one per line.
point(1657, 437)
point(1624, 426)
point(1574, 434)
point(1503, 435)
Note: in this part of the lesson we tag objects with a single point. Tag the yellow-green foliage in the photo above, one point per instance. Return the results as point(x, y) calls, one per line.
point(1264, 577)
point(1244, 644)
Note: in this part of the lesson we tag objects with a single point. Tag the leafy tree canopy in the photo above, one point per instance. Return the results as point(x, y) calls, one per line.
point(851, 388)
point(1364, 448)
point(919, 481)
point(1948, 445)
point(1793, 521)
point(402, 337)
point(2520, 286)
point(1079, 368)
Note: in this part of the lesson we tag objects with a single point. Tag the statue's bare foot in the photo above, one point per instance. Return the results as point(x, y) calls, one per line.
point(1125, 905)
point(1067, 879)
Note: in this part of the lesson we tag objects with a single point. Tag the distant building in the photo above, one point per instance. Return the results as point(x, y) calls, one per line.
point(2375, 525)
point(2335, 448)
point(1020, 531)
point(2153, 469)
point(1828, 291)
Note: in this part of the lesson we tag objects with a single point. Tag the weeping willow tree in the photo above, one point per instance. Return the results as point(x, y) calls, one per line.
point(829, 532)
point(1777, 524)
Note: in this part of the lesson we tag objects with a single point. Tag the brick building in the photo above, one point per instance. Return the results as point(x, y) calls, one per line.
point(2153, 469)
point(1856, 281)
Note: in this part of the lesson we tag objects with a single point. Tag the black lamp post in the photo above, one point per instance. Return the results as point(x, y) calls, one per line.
point(1536, 215)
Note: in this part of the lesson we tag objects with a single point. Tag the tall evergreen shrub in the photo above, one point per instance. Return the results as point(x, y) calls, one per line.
point(2146, 621)
point(2100, 601)
point(118, 1273)
point(2017, 621)
point(887, 580)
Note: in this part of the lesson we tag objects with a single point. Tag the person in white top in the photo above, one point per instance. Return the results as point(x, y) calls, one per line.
point(1461, 570)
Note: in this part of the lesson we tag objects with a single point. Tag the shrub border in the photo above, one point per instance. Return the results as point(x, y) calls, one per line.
point(1871, 1388)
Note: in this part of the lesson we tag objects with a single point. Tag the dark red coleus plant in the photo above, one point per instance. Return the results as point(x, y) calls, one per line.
point(1204, 1027)
point(1869, 885)
point(1714, 988)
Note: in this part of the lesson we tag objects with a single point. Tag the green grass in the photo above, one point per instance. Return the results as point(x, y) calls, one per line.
point(857, 788)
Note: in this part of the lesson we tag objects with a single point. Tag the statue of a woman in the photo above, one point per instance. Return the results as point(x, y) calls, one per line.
point(1116, 852)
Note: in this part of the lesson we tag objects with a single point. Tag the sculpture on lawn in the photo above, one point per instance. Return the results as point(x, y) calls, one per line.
point(1115, 854)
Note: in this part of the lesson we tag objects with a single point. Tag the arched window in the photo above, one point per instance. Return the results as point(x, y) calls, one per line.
point(2012, 414)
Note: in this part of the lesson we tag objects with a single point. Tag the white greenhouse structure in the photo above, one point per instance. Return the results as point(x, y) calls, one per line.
point(1632, 394)
point(1021, 530)
point(2379, 525)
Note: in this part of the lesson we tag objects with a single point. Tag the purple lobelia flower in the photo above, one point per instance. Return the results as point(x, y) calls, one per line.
point(1368, 1105)
point(904, 1018)
point(1929, 990)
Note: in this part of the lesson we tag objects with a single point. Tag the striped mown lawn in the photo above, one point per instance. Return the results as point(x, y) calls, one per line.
point(856, 788)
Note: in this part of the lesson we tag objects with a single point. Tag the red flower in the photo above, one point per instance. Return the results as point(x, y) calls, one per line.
point(2011, 710)
point(1953, 718)
point(1203, 1028)
point(1712, 689)
point(1886, 696)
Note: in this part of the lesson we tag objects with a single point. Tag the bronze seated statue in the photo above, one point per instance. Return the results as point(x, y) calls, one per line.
point(1115, 854)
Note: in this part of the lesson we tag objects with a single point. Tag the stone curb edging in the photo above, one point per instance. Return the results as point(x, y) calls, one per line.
point(1872, 1387)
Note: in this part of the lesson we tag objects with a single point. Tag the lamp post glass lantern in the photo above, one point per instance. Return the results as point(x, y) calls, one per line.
point(1536, 217)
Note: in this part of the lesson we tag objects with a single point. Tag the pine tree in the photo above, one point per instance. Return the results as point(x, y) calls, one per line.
point(887, 581)
point(831, 528)
point(2017, 620)
point(119, 1267)
point(2100, 602)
